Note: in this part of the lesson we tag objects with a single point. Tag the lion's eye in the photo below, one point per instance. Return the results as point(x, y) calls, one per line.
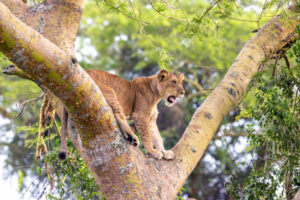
point(174, 82)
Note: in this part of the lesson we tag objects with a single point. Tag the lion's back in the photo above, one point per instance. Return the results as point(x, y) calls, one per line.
point(122, 88)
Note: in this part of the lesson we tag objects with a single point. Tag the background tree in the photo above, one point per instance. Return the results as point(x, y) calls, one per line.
point(134, 48)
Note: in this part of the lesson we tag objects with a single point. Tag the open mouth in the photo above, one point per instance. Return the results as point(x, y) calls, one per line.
point(171, 99)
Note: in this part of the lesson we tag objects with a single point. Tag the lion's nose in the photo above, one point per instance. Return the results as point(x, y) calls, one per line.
point(182, 92)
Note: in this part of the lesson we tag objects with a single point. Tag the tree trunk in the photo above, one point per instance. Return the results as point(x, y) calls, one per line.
point(40, 40)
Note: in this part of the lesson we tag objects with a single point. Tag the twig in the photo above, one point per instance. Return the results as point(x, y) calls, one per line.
point(262, 10)
point(46, 166)
point(188, 22)
point(224, 140)
point(132, 8)
point(50, 175)
point(169, 17)
point(295, 102)
point(55, 125)
point(232, 135)
point(142, 31)
point(208, 9)
point(275, 65)
point(28, 101)
point(213, 20)
point(201, 92)
point(129, 16)
point(24, 166)
point(289, 68)
point(238, 19)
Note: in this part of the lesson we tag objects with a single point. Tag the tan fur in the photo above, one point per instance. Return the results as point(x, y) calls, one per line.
point(47, 114)
point(137, 99)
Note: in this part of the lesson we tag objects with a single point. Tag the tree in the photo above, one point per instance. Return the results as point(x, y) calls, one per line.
point(120, 169)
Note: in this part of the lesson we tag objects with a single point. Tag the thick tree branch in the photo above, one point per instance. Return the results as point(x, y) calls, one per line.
point(205, 122)
point(297, 196)
point(48, 65)
point(46, 19)
point(16, 6)
point(104, 147)
point(14, 70)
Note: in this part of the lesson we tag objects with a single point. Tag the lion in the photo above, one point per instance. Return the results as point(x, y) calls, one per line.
point(136, 100)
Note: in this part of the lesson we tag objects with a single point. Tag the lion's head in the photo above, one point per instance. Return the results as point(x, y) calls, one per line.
point(170, 86)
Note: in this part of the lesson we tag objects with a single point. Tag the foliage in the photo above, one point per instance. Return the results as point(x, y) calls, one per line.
point(72, 176)
point(181, 192)
point(276, 172)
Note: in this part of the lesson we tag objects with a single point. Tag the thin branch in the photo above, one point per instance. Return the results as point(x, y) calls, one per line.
point(243, 134)
point(224, 140)
point(129, 16)
point(209, 68)
point(55, 125)
point(208, 9)
point(275, 65)
point(261, 13)
point(213, 20)
point(49, 174)
point(23, 166)
point(28, 101)
point(289, 68)
point(195, 83)
point(132, 8)
point(187, 20)
point(243, 20)
point(169, 17)
point(14, 70)
point(295, 101)
point(142, 31)
point(201, 92)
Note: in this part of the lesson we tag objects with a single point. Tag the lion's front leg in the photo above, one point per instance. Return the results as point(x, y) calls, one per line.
point(142, 124)
point(157, 140)
point(112, 100)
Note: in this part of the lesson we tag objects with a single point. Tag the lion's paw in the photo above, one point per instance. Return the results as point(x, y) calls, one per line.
point(130, 136)
point(168, 155)
point(132, 139)
point(156, 154)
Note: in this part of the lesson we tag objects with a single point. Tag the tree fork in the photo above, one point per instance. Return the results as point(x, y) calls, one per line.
point(55, 72)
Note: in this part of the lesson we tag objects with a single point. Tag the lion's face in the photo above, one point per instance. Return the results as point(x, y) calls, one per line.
point(170, 86)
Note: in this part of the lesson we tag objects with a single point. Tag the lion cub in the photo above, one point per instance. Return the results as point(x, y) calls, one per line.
point(137, 100)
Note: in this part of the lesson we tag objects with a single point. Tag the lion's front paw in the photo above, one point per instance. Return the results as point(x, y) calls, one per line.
point(156, 154)
point(130, 136)
point(168, 155)
point(133, 139)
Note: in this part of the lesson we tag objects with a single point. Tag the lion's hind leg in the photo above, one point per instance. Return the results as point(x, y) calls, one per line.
point(44, 112)
point(63, 136)
point(112, 100)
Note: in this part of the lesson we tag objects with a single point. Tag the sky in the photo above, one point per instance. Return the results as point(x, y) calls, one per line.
point(9, 186)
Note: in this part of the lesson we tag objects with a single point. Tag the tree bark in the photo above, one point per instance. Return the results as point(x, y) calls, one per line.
point(40, 40)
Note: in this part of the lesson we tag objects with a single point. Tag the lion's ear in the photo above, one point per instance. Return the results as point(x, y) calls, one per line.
point(181, 76)
point(163, 75)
